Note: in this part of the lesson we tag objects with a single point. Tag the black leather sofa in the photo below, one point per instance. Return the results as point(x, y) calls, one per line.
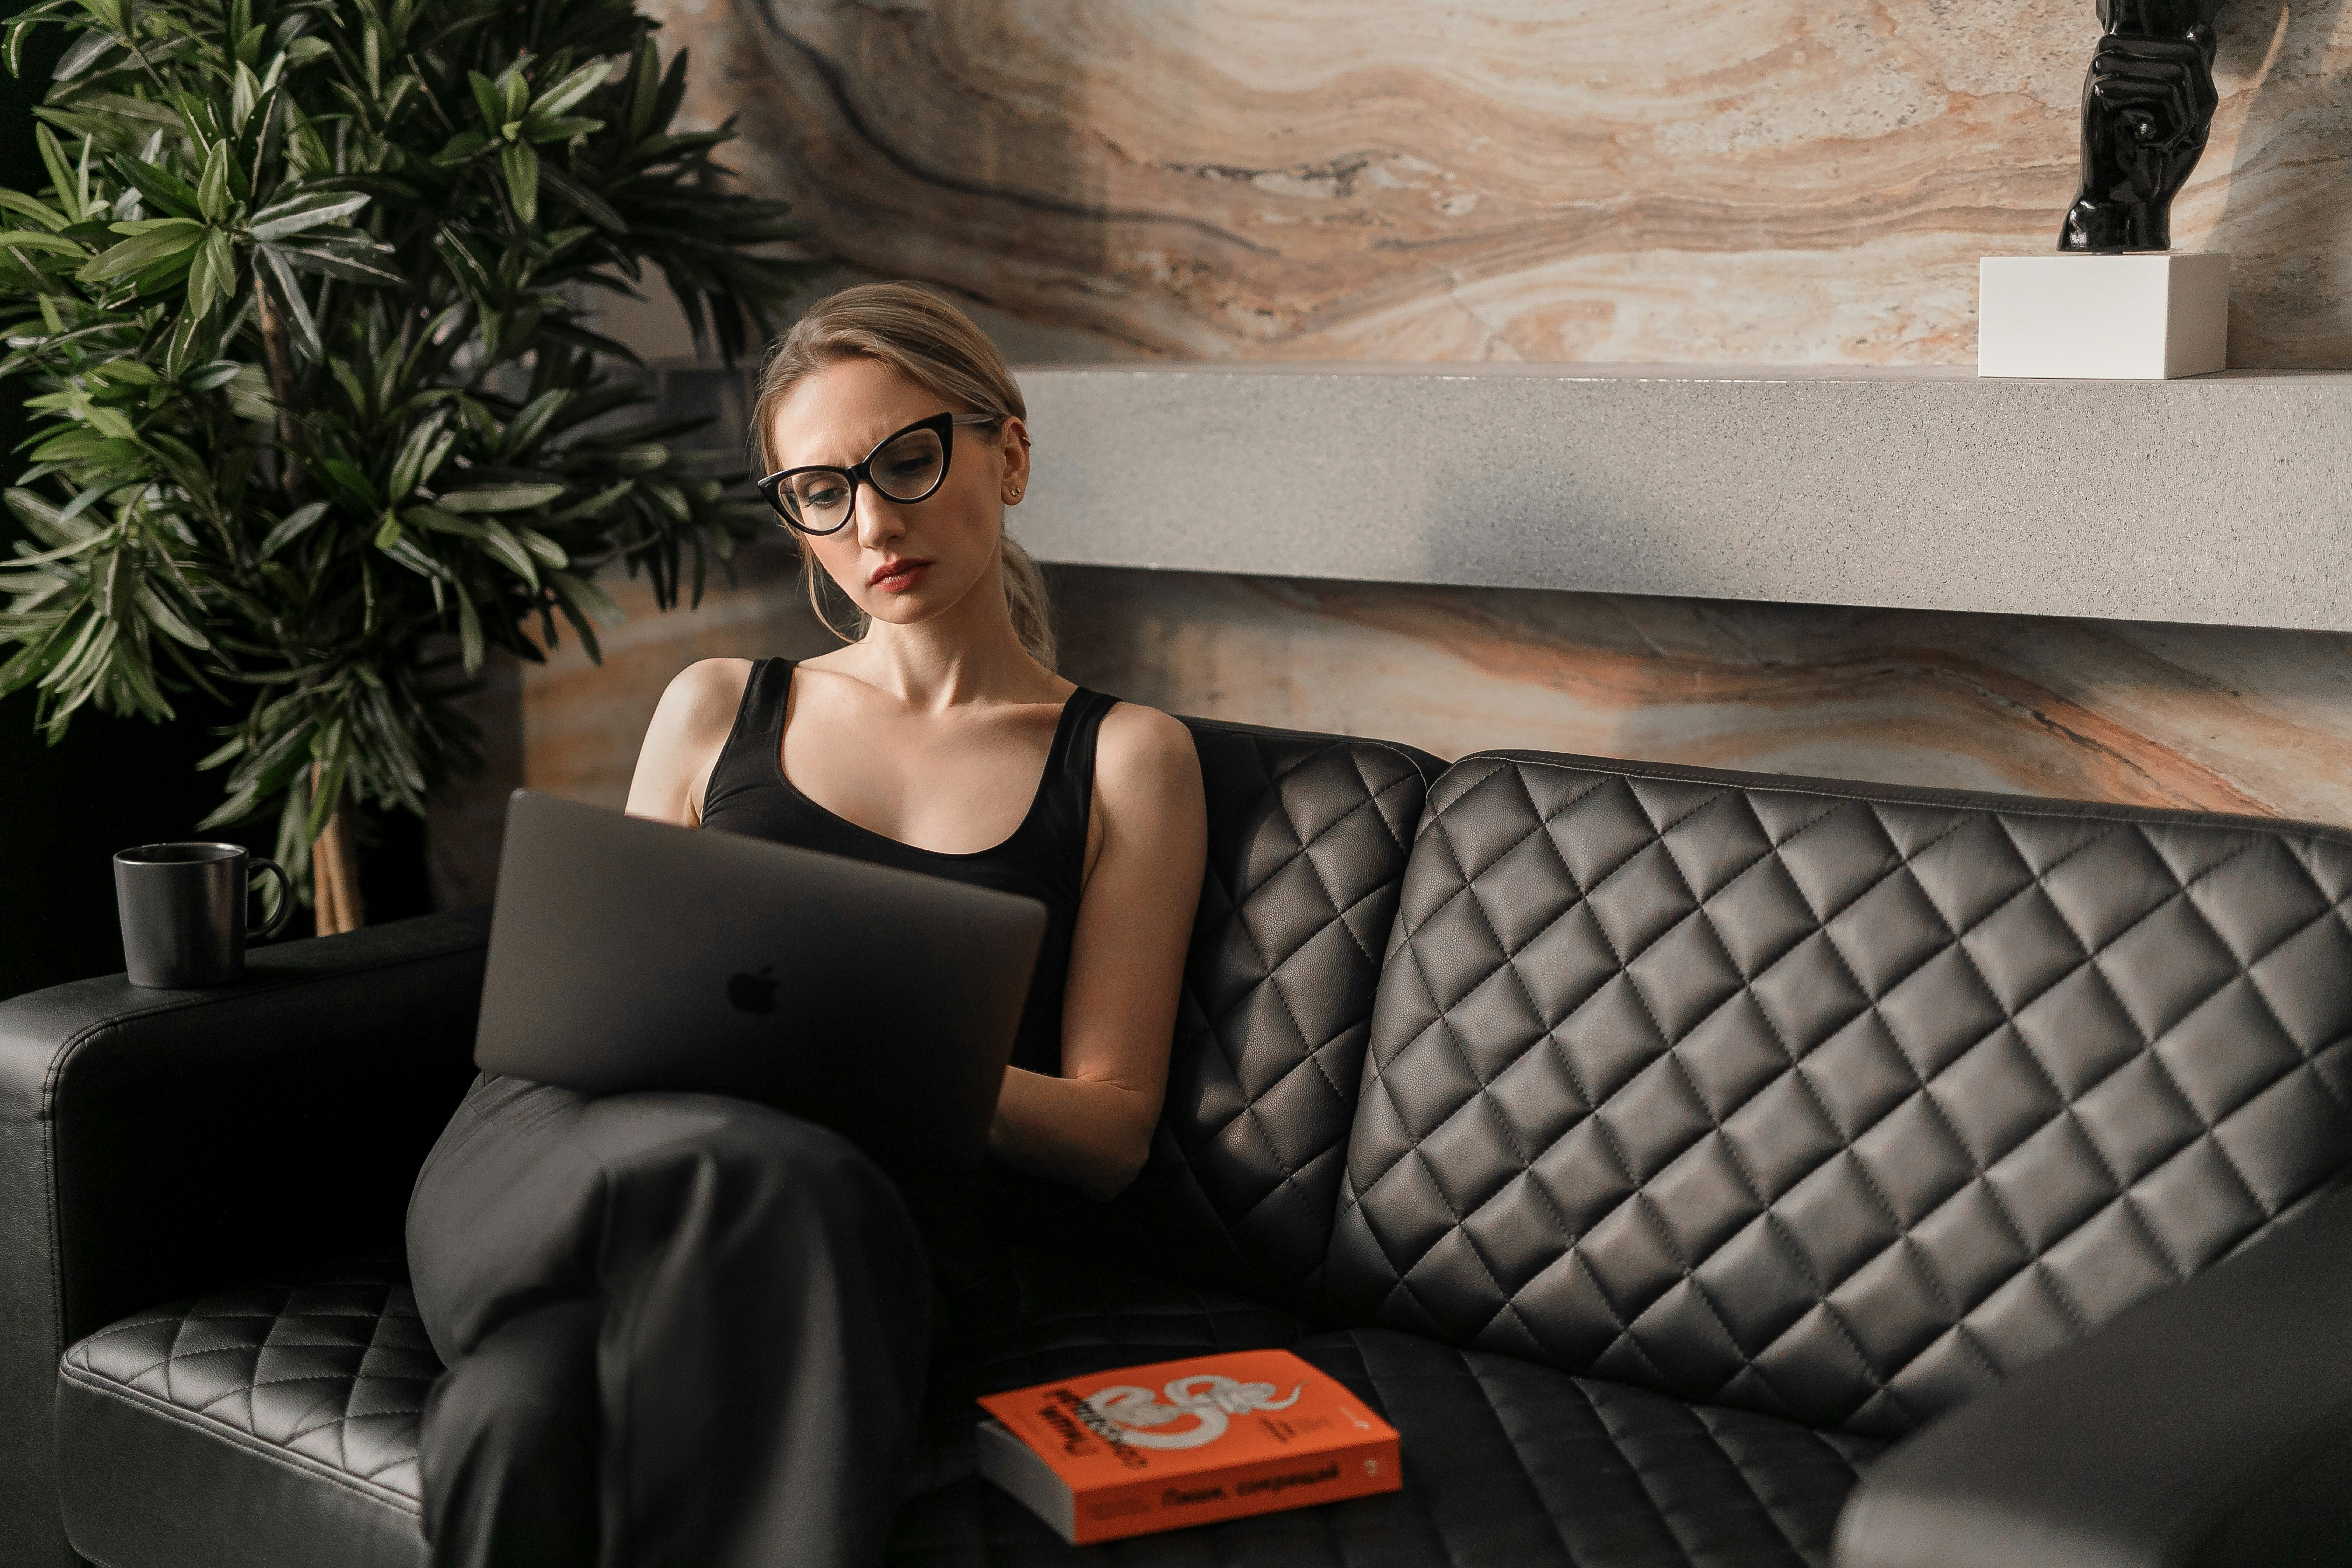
point(1697, 1168)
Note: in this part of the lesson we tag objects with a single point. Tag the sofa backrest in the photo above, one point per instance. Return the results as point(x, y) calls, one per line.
point(1308, 839)
point(1830, 1100)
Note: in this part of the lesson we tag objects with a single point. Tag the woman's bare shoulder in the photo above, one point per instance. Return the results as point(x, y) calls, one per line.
point(1140, 749)
point(691, 726)
point(705, 693)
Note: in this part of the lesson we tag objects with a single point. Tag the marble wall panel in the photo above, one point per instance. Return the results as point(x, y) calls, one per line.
point(2201, 718)
point(1764, 182)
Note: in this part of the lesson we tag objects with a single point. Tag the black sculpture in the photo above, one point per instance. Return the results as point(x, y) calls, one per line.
point(2147, 106)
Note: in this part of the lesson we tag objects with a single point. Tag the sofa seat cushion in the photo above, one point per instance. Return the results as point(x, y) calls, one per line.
point(1506, 1462)
point(264, 1427)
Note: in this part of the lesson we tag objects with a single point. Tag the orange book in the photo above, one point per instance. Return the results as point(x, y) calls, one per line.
point(1184, 1442)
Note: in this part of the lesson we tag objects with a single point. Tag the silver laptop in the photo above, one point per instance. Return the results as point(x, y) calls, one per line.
point(627, 955)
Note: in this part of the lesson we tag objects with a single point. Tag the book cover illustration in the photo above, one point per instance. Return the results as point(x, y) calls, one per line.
point(1144, 1448)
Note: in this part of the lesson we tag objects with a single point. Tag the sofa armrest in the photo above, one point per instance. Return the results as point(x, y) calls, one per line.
point(155, 1144)
point(2210, 1425)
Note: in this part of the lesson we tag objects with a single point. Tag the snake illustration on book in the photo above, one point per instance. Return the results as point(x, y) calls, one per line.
point(1211, 1399)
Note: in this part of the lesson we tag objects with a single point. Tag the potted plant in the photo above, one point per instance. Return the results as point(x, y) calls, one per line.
point(320, 412)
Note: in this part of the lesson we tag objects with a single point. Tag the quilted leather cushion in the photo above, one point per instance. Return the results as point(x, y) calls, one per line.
point(1505, 1464)
point(1307, 840)
point(274, 1425)
point(1832, 1102)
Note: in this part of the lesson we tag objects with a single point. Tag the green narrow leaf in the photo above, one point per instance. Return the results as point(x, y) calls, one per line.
point(326, 795)
point(579, 623)
point(214, 276)
point(111, 422)
point(527, 426)
point(591, 600)
point(463, 265)
point(212, 189)
point(180, 351)
point(487, 100)
point(645, 83)
point(354, 259)
point(389, 534)
point(433, 519)
point(516, 89)
point(143, 250)
point(61, 178)
point(38, 211)
point(436, 457)
point(248, 396)
point(410, 463)
point(23, 239)
point(244, 91)
point(673, 91)
point(349, 382)
point(291, 527)
point(519, 162)
point(595, 208)
point(167, 621)
point(346, 477)
point(158, 185)
point(562, 127)
point(120, 580)
point(108, 11)
point(510, 552)
point(84, 53)
point(539, 544)
point(405, 551)
point(296, 310)
point(469, 630)
point(304, 213)
point(499, 498)
point(560, 97)
point(460, 147)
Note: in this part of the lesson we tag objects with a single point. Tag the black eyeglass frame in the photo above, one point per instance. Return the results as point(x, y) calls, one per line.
point(772, 488)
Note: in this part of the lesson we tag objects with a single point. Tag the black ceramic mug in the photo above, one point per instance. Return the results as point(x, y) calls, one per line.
point(182, 907)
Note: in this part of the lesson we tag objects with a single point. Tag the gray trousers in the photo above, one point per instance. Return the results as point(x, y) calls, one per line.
point(682, 1331)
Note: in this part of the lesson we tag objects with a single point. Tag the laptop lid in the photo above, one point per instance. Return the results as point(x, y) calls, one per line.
point(627, 955)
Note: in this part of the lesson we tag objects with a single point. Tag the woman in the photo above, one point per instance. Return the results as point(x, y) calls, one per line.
point(689, 1330)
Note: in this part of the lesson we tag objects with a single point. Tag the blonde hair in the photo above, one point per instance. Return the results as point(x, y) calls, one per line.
point(930, 342)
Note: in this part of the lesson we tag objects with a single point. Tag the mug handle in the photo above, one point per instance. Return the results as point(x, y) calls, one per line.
point(285, 897)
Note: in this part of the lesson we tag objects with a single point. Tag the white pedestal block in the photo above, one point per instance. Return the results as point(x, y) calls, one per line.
point(2152, 316)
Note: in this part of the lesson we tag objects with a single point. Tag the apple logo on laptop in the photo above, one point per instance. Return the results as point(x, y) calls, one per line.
point(753, 993)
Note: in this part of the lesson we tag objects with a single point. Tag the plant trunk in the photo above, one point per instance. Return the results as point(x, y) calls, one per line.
point(278, 360)
point(335, 869)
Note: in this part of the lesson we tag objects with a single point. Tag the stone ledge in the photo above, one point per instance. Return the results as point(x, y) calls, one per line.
point(2225, 499)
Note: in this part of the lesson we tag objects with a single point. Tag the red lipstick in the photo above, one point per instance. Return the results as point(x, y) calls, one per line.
point(900, 574)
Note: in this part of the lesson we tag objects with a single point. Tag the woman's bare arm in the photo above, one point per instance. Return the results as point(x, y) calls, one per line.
point(1092, 1126)
point(688, 729)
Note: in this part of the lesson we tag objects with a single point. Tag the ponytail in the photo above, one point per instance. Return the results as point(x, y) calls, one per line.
point(1025, 595)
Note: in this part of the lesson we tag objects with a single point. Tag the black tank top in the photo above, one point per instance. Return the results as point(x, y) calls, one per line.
point(1043, 859)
